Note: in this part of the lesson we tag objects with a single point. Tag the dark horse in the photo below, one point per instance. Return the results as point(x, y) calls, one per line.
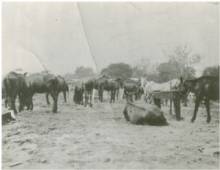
point(88, 91)
point(14, 85)
point(112, 86)
point(132, 88)
point(78, 94)
point(62, 87)
point(42, 83)
point(100, 84)
point(205, 88)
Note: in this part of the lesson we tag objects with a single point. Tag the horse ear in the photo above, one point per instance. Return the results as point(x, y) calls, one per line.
point(25, 73)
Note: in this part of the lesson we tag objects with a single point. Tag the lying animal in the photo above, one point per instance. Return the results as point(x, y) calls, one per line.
point(141, 115)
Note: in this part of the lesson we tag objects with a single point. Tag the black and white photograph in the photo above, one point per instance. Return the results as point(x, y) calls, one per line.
point(110, 85)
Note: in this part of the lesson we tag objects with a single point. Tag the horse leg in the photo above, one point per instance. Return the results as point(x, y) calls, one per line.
point(21, 103)
point(90, 98)
point(6, 102)
point(198, 100)
point(12, 102)
point(101, 95)
point(64, 96)
point(207, 104)
point(111, 97)
point(47, 99)
point(86, 98)
point(114, 96)
point(31, 103)
point(55, 98)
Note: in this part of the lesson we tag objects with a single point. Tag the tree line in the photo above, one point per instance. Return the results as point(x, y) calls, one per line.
point(180, 62)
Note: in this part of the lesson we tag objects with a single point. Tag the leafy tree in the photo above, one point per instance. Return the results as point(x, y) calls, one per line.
point(171, 70)
point(211, 71)
point(82, 72)
point(118, 70)
point(167, 71)
point(180, 63)
point(138, 72)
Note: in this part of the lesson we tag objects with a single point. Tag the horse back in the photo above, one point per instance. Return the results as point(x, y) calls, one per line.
point(41, 83)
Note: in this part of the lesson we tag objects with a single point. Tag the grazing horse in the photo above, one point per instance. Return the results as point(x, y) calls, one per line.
point(42, 83)
point(62, 87)
point(14, 85)
point(205, 88)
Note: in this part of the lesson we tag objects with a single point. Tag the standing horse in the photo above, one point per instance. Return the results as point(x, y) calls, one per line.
point(78, 94)
point(132, 88)
point(62, 87)
point(88, 91)
point(152, 86)
point(42, 83)
point(14, 85)
point(205, 88)
point(112, 86)
point(100, 84)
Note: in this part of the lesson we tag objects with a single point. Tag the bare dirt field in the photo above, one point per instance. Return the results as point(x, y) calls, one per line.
point(100, 138)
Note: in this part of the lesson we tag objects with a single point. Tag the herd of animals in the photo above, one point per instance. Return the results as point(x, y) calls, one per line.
point(22, 86)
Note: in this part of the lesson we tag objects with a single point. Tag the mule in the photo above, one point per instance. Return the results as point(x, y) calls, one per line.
point(205, 88)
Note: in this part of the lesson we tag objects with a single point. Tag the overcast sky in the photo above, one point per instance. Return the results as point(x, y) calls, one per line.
point(58, 34)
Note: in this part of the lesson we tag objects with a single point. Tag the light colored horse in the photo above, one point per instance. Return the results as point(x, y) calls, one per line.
point(151, 86)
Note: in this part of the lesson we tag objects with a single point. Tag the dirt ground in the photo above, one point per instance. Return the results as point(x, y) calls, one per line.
point(99, 137)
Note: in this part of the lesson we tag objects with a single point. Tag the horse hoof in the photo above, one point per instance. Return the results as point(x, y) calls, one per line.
point(192, 120)
point(208, 120)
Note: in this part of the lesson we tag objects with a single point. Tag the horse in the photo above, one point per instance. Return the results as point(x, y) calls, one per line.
point(88, 91)
point(152, 86)
point(112, 86)
point(78, 94)
point(142, 114)
point(99, 84)
point(131, 88)
point(42, 83)
point(205, 88)
point(14, 85)
point(62, 87)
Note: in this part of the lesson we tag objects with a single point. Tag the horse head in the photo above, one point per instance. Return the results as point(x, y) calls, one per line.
point(186, 86)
